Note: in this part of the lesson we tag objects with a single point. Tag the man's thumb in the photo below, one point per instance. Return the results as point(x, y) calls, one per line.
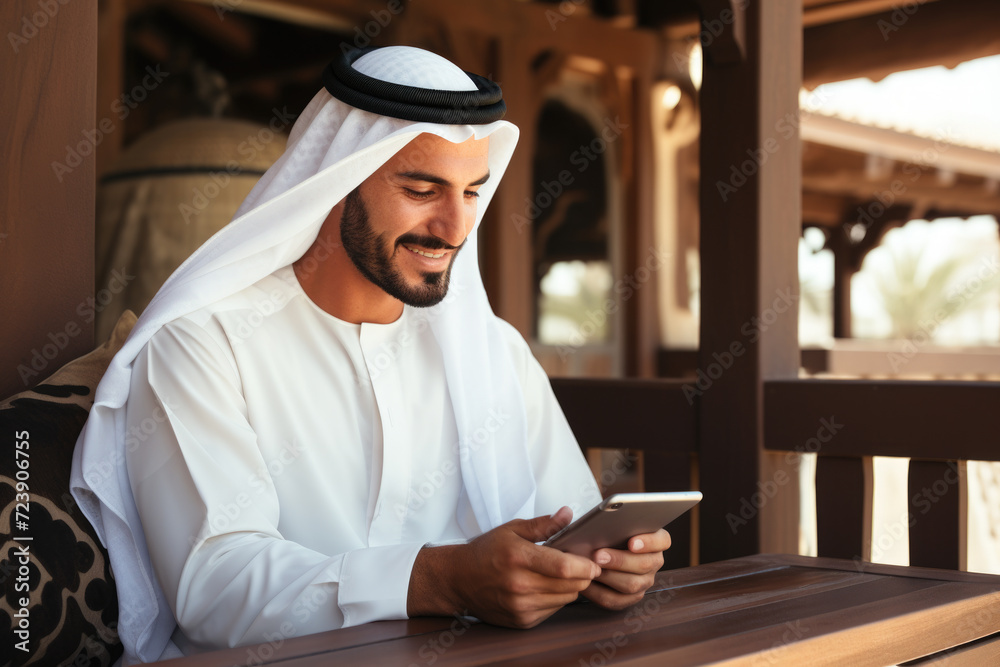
point(542, 528)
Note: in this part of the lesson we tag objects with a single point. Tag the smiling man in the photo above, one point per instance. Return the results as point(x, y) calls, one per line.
point(426, 216)
point(335, 427)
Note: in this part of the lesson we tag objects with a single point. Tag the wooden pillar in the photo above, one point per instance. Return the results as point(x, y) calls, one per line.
point(750, 204)
point(642, 331)
point(509, 232)
point(843, 270)
point(49, 64)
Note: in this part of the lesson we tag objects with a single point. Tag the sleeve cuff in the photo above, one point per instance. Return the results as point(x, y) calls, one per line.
point(375, 582)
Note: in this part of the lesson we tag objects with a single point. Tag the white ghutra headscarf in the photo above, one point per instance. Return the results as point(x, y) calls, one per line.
point(332, 148)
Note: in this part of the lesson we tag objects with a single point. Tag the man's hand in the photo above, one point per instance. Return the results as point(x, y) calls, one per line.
point(628, 574)
point(502, 576)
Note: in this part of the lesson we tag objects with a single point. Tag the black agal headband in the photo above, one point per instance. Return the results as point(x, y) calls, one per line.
point(449, 107)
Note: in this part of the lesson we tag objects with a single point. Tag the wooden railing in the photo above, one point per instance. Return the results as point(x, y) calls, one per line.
point(868, 359)
point(938, 424)
point(902, 358)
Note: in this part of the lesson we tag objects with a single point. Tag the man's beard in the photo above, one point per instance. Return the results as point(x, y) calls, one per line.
point(371, 255)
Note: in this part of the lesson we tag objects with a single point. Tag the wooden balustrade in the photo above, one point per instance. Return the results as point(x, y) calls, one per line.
point(938, 424)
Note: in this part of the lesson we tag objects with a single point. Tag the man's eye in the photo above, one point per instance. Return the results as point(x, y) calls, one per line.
point(470, 193)
point(419, 194)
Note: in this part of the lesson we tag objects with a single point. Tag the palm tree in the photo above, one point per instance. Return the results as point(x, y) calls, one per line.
point(919, 292)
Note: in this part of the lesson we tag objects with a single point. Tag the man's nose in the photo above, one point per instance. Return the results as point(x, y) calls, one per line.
point(454, 218)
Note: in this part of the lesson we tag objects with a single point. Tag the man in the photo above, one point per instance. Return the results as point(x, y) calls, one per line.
point(325, 423)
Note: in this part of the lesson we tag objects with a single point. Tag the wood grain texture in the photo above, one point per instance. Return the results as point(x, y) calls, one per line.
point(765, 609)
point(47, 219)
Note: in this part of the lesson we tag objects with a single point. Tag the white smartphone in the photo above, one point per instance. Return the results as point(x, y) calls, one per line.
point(619, 517)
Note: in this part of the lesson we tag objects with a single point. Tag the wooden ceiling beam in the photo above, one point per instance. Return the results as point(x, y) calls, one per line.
point(964, 199)
point(333, 15)
point(935, 33)
point(558, 27)
point(823, 209)
point(233, 35)
point(900, 146)
point(817, 12)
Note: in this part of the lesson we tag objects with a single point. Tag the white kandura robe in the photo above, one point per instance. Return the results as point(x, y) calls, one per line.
point(288, 466)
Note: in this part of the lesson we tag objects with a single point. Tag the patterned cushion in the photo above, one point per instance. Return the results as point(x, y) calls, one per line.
point(72, 609)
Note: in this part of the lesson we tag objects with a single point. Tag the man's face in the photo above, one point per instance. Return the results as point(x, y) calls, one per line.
point(403, 227)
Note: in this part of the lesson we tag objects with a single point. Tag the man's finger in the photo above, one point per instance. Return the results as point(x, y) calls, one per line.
point(652, 542)
point(624, 561)
point(534, 583)
point(542, 528)
point(625, 582)
point(610, 598)
point(558, 565)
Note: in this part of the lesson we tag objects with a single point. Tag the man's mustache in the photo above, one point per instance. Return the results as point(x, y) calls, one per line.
point(429, 242)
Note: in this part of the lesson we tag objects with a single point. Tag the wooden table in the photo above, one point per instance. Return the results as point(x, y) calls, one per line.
point(759, 610)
